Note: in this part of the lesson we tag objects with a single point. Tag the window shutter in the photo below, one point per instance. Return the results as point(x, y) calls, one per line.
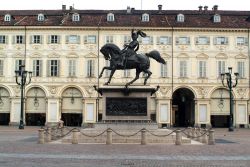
point(215, 40)
point(246, 41)
point(58, 39)
point(85, 39)
point(151, 40)
point(24, 39)
point(208, 40)
point(32, 39)
point(14, 39)
point(49, 39)
point(58, 68)
point(6, 39)
point(34, 68)
point(41, 39)
point(176, 40)
point(158, 40)
point(196, 40)
point(41, 68)
point(226, 40)
point(78, 39)
point(188, 40)
point(67, 39)
point(48, 68)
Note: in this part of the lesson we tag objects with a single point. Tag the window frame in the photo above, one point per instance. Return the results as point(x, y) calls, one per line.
point(145, 17)
point(75, 17)
point(110, 17)
point(164, 70)
point(72, 68)
point(40, 17)
point(7, 17)
point(183, 68)
point(37, 68)
point(241, 69)
point(217, 18)
point(90, 68)
point(202, 65)
point(3, 39)
point(180, 18)
point(1, 67)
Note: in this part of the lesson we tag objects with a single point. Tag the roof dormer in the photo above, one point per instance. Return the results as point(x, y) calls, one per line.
point(7, 17)
point(40, 17)
point(145, 17)
point(180, 18)
point(110, 17)
point(217, 18)
point(75, 17)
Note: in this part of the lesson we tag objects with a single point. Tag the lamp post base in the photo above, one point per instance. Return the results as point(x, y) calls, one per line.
point(230, 129)
point(21, 126)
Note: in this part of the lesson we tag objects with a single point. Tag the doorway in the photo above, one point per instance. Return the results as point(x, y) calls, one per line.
point(183, 107)
point(72, 119)
point(35, 119)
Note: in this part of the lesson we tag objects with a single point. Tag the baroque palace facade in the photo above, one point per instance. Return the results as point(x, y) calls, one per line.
point(61, 48)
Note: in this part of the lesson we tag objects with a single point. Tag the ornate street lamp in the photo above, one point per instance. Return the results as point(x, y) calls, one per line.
point(22, 74)
point(230, 85)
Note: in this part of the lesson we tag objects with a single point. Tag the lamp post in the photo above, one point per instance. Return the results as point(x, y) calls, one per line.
point(230, 85)
point(22, 74)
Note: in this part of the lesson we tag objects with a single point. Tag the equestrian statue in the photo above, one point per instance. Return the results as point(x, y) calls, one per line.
point(129, 59)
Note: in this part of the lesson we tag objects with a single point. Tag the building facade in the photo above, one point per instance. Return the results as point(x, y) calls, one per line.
point(61, 48)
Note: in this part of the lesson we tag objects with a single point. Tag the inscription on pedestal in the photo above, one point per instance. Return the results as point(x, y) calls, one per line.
point(126, 106)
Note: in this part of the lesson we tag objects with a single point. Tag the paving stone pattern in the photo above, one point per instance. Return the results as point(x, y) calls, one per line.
point(20, 148)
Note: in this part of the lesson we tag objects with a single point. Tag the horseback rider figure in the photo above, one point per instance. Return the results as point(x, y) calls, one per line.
point(131, 48)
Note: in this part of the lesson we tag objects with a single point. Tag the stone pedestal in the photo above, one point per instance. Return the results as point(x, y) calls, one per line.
point(126, 103)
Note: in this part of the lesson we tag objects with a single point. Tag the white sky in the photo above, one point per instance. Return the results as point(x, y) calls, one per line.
point(122, 4)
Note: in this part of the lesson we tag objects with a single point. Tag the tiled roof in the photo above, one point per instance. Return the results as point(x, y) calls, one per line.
point(93, 18)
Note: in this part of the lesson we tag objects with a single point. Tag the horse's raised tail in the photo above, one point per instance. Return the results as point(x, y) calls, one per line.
point(156, 55)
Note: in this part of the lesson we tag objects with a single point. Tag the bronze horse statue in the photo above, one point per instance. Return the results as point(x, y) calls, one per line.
point(140, 62)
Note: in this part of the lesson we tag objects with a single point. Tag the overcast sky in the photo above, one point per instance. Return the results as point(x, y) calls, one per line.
point(122, 4)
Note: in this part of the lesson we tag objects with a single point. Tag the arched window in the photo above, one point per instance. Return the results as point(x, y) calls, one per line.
point(145, 17)
point(180, 18)
point(40, 17)
point(7, 17)
point(217, 18)
point(75, 17)
point(110, 17)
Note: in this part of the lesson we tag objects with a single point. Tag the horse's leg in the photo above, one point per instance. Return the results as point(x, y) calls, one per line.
point(104, 68)
point(146, 78)
point(111, 75)
point(136, 77)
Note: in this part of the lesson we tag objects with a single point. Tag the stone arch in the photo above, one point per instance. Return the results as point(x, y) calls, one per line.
point(187, 87)
point(39, 86)
point(5, 105)
point(82, 90)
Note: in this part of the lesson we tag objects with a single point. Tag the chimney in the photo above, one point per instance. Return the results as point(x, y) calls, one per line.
point(63, 7)
point(205, 8)
point(128, 9)
point(215, 8)
point(132, 9)
point(71, 8)
point(200, 8)
point(159, 7)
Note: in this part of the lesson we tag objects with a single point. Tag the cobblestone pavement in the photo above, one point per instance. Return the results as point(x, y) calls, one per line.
point(20, 148)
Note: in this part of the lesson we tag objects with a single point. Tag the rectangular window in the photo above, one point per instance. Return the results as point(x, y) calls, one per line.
point(19, 39)
point(37, 68)
point(36, 39)
point(109, 39)
point(90, 39)
point(242, 41)
point(220, 68)
point(126, 39)
point(54, 39)
point(19, 64)
point(221, 41)
point(163, 40)
point(2, 39)
point(183, 68)
point(72, 68)
point(53, 68)
point(202, 69)
point(146, 40)
point(202, 40)
point(241, 69)
point(126, 73)
point(73, 39)
point(90, 68)
point(1, 67)
point(183, 41)
point(164, 70)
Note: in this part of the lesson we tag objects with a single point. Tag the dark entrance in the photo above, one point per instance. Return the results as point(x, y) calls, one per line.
point(184, 114)
point(220, 121)
point(4, 118)
point(72, 119)
point(35, 119)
